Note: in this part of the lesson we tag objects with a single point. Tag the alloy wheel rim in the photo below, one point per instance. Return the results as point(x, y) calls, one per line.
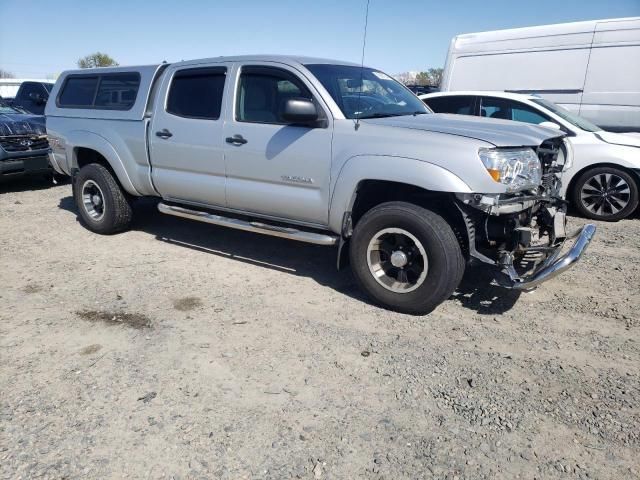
point(605, 194)
point(397, 260)
point(93, 200)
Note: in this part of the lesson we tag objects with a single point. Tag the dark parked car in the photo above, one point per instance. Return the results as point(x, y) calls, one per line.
point(32, 97)
point(422, 89)
point(24, 148)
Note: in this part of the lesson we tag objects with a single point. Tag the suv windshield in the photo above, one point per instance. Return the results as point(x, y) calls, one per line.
point(565, 114)
point(367, 93)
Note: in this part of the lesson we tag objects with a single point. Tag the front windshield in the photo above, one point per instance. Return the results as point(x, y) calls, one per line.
point(565, 114)
point(367, 93)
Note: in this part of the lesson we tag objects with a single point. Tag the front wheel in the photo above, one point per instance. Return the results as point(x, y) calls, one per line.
point(405, 257)
point(605, 193)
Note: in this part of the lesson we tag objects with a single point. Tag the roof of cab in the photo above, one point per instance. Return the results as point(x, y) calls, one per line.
point(302, 60)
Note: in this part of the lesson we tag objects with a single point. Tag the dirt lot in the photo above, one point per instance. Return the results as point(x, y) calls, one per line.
point(182, 350)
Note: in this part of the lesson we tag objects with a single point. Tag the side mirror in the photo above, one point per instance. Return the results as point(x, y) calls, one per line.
point(552, 125)
point(299, 111)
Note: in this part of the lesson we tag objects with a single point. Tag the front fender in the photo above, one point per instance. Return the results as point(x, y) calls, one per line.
point(387, 168)
point(84, 139)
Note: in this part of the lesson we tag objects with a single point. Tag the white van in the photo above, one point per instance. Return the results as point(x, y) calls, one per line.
point(591, 68)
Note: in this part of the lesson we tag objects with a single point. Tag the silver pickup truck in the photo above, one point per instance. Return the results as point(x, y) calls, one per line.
point(325, 152)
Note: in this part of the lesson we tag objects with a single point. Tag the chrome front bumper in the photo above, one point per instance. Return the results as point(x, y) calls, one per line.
point(554, 265)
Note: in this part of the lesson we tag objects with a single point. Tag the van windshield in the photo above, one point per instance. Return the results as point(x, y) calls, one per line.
point(565, 114)
point(367, 93)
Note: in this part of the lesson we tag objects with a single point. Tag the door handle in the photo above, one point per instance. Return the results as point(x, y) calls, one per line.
point(236, 140)
point(164, 133)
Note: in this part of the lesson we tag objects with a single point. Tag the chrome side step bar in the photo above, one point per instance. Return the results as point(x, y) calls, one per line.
point(249, 226)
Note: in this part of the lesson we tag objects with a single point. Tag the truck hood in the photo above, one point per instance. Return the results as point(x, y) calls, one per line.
point(21, 124)
point(501, 133)
point(625, 139)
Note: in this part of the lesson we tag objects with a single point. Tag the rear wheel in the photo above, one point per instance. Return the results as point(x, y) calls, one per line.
point(605, 193)
point(405, 257)
point(104, 207)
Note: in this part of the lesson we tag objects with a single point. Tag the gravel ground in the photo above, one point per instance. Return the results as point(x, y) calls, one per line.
point(181, 350)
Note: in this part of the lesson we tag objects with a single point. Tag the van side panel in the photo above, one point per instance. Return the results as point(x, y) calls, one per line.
point(557, 74)
point(612, 88)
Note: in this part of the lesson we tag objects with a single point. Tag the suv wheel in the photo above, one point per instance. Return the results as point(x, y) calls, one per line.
point(104, 208)
point(405, 257)
point(605, 193)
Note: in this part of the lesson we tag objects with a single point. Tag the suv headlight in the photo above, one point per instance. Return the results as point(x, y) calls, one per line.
point(517, 168)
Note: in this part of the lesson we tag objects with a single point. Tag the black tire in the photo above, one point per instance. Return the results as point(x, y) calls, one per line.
point(445, 262)
point(116, 214)
point(588, 182)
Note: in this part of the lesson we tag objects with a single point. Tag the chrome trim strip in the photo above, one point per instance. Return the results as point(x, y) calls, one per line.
point(249, 226)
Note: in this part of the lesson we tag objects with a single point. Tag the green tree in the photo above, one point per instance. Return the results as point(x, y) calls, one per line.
point(435, 76)
point(97, 59)
point(422, 78)
point(432, 76)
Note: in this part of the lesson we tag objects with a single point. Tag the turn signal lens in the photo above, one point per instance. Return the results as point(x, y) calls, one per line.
point(495, 174)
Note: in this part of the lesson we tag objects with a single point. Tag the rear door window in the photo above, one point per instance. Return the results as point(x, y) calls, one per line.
point(461, 105)
point(197, 93)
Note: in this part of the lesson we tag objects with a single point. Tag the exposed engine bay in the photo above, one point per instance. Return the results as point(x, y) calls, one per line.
point(522, 234)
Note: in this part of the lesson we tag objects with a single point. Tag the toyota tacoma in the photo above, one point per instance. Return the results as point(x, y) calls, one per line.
point(325, 152)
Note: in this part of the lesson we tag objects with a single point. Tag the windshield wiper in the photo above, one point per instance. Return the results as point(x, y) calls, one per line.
point(377, 115)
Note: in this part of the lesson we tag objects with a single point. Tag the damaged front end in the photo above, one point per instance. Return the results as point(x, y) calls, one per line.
point(523, 234)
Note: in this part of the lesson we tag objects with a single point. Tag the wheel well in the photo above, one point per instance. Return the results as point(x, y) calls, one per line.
point(572, 183)
point(85, 156)
point(371, 193)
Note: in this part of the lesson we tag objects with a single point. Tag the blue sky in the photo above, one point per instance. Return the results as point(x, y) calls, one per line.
point(48, 37)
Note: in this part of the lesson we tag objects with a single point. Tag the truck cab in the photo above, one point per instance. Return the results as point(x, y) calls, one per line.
point(33, 96)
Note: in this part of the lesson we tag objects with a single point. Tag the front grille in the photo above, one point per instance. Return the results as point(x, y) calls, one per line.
point(24, 143)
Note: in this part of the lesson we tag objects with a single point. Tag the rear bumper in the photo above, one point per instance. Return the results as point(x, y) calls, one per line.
point(554, 265)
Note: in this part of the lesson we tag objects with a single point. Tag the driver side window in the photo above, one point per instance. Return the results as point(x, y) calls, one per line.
point(263, 92)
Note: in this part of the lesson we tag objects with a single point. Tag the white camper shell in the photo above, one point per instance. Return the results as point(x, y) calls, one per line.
point(591, 68)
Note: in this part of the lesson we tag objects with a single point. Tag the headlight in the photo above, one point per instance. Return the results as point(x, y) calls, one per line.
point(517, 168)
